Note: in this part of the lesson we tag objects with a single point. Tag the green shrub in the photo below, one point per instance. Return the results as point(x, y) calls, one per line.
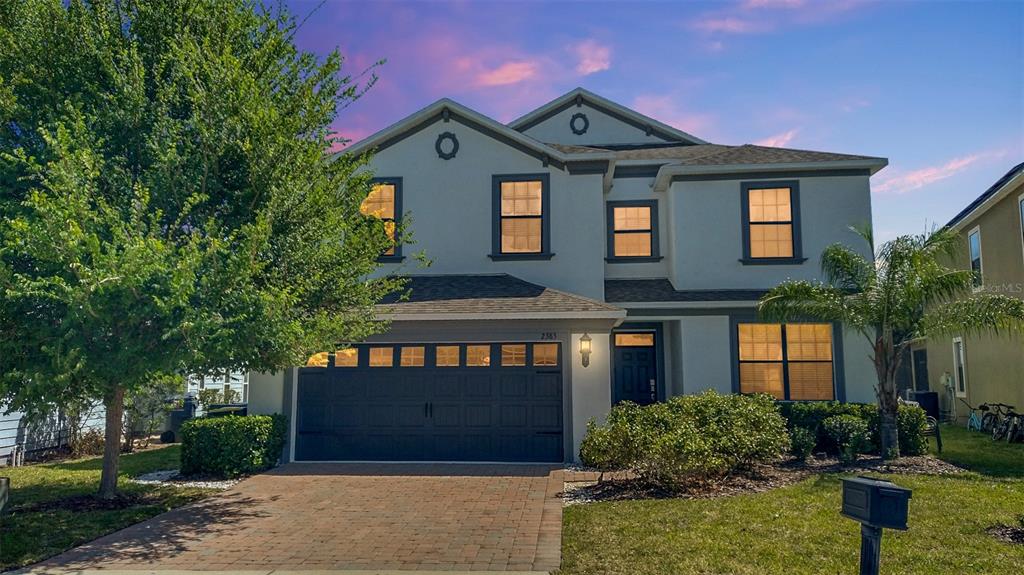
point(232, 446)
point(910, 422)
point(802, 442)
point(849, 433)
point(693, 436)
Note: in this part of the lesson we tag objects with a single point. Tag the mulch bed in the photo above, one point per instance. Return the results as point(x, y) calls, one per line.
point(80, 503)
point(1008, 533)
point(761, 478)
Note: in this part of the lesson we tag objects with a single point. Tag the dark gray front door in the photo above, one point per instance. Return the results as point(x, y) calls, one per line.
point(490, 413)
point(636, 368)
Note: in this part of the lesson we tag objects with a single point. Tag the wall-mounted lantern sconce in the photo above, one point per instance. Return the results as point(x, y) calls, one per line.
point(585, 349)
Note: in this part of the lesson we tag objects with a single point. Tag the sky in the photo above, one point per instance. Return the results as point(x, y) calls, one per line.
point(935, 87)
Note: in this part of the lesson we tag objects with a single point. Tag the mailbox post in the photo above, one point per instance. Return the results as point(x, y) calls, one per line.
point(876, 504)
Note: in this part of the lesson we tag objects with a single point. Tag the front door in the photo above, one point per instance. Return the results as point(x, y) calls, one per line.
point(636, 368)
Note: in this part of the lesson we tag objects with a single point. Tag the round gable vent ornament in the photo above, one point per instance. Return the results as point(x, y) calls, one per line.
point(579, 123)
point(447, 145)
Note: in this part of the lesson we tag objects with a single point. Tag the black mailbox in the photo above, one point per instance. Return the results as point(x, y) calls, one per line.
point(875, 502)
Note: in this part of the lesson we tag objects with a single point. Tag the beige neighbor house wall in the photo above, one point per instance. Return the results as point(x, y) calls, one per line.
point(994, 362)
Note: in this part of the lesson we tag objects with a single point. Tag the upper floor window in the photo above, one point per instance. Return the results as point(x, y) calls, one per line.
point(771, 223)
point(974, 243)
point(790, 361)
point(385, 202)
point(521, 217)
point(633, 230)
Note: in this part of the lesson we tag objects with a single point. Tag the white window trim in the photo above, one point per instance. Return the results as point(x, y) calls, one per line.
point(963, 361)
point(1020, 214)
point(981, 259)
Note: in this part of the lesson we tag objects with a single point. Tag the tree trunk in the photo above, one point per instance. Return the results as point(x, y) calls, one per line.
point(888, 406)
point(114, 404)
point(886, 362)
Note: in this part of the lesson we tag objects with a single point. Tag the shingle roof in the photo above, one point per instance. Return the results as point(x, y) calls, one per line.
point(488, 294)
point(715, 154)
point(661, 290)
point(993, 190)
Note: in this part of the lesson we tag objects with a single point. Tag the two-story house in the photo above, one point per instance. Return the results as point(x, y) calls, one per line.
point(985, 368)
point(583, 254)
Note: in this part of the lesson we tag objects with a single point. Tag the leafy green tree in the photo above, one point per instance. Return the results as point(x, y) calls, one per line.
point(168, 201)
point(906, 292)
point(146, 408)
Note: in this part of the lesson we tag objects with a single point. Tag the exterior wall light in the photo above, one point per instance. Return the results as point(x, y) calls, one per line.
point(585, 349)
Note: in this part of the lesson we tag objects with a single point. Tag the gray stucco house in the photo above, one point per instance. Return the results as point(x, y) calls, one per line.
point(583, 254)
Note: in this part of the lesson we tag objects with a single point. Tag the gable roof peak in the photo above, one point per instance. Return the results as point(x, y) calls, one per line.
point(579, 95)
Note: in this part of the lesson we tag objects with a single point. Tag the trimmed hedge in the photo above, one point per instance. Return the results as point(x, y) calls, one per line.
point(849, 432)
point(687, 437)
point(810, 415)
point(232, 446)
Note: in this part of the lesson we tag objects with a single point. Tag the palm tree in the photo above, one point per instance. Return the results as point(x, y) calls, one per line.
point(902, 294)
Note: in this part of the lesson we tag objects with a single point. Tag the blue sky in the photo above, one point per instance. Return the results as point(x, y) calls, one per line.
point(936, 87)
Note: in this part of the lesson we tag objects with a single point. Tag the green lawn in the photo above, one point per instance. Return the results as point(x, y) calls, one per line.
point(798, 529)
point(28, 535)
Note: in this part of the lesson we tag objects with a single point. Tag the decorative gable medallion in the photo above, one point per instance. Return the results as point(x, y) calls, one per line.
point(579, 123)
point(447, 145)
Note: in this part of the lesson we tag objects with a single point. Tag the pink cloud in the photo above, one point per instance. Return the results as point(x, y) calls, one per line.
point(508, 73)
point(757, 4)
point(592, 57)
point(778, 140)
point(903, 182)
point(666, 110)
point(727, 25)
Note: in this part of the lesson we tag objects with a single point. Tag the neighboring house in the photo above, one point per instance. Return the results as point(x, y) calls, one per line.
point(986, 368)
point(20, 439)
point(237, 382)
point(583, 255)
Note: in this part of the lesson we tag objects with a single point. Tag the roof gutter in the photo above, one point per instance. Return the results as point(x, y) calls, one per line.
point(457, 316)
point(983, 207)
point(669, 171)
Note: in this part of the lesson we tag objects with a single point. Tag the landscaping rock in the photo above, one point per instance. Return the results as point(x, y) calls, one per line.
point(173, 478)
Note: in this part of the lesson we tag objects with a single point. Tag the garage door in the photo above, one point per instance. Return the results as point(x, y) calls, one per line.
point(432, 402)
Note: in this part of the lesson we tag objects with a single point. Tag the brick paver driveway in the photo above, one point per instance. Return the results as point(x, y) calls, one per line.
point(351, 517)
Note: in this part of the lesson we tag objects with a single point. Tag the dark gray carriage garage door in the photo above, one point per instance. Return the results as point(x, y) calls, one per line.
point(414, 402)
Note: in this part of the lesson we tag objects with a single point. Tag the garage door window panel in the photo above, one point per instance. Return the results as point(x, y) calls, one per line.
point(382, 356)
point(412, 356)
point(513, 355)
point(348, 357)
point(447, 356)
point(478, 355)
point(545, 354)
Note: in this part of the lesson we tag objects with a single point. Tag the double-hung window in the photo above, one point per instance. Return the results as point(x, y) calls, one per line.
point(790, 361)
point(633, 230)
point(771, 223)
point(521, 217)
point(974, 244)
point(384, 202)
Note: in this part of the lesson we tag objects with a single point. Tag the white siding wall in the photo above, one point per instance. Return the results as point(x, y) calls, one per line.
point(640, 189)
point(449, 202)
point(266, 393)
point(706, 354)
point(603, 129)
point(708, 221)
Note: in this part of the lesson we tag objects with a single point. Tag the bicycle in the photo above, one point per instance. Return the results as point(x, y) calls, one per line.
point(1014, 428)
point(973, 421)
point(1002, 418)
point(995, 416)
